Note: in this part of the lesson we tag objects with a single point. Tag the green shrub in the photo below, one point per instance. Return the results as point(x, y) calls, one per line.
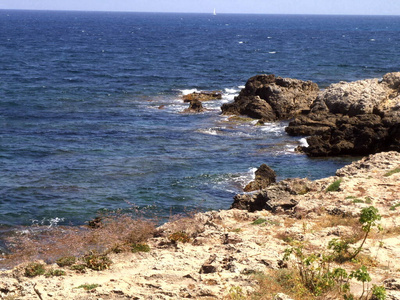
point(140, 248)
point(334, 187)
point(88, 287)
point(34, 269)
point(393, 207)
point(79, 268)
point(358, 201)
point(259, 221)
point(66, 261)
point(97, 262)
point(53, 272)
point(391, 172)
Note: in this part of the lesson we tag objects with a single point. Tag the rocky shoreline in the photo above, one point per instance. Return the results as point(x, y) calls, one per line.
point(226, 248)
point(346, 118)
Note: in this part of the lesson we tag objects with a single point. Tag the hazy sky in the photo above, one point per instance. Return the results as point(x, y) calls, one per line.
point(359, 7)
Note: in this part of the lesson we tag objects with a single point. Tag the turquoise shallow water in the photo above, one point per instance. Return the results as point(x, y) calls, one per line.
point(81, 129)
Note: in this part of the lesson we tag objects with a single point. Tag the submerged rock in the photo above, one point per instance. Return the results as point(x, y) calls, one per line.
point(203, 96)
point(271, 98)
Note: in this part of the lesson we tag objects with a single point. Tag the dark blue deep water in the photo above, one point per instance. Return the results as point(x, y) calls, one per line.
point(80, 126)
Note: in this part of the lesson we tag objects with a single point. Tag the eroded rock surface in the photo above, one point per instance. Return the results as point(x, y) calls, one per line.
point(355, 118)
point(271, 98)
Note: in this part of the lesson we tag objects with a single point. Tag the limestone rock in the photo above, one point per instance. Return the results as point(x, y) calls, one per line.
point(352, 118)
point(277, 197)
point(272, 98)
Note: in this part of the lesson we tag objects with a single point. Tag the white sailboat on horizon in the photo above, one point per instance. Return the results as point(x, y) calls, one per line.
point(214, 13)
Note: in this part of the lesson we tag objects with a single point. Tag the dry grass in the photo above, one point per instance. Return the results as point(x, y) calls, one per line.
point(50, 244)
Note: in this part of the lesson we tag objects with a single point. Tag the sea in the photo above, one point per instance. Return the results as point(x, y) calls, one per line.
point(91, 106)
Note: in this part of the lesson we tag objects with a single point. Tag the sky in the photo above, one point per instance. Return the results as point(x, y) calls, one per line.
point(352, 7)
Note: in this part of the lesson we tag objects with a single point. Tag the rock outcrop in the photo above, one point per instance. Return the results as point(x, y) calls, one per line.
point(264, 176)
point(356, 118)
point(195, 106)
point(276, 197)
point(203, 96)
point(271, 98)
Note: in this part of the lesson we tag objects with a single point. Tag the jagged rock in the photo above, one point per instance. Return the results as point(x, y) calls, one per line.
point(275, 198)
point(195, 106)
point(356, 118)
point(264, 177)
point(272, 98)
point(203, 96)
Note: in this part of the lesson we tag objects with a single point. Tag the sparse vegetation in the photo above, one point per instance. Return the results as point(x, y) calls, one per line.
point(52, 272)
point(391, 172)
point(393, 207)
point(334, 187)
point(97, 262)
point(34, 269)
point(88, 287)
point(140, 248)
point(66, 261)
point(259, 221)
point(79, 268)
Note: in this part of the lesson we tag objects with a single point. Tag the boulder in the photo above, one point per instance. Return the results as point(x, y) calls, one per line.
point(271, 98)
point(264, 177)
point(277, 197)
point(195, 106)
point(355, 118)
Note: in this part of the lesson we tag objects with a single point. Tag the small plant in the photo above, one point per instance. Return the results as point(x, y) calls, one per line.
point(97, 262)
point(259, 221)
point(368, 200)
point(53, 272)
point(79, 268)
point(140, 248)
point(66, 261)
point(356, 200)
point(393, 207)
point(34, 269)
point(391, 172)
point(378, 292)
point(334, 187)
point(179, 236)
point(236, 293)
point(88, 287)
point(368, 218)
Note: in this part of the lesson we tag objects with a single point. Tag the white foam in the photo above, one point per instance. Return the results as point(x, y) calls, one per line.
point(277, 129)
point(189, 91)
point(303, 142)
point(241, 86)
point(272, 52)
point(209, 131)
point(240, 42)
point(252, 172)
point(231, 91)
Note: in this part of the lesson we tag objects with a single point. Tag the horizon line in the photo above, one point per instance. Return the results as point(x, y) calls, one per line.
point(203, 13)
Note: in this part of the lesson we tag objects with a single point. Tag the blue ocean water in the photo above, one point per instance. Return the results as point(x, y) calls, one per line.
point(90, 105)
